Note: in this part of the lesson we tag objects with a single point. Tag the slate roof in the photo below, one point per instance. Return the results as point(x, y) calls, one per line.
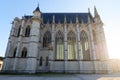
point(37, 9)
point(59, 17)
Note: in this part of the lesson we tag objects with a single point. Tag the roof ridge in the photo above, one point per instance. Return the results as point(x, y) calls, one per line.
point(62, 13)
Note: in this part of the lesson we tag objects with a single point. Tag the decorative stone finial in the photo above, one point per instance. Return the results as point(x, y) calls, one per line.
point(89, 18)
point(70, 21)
point(77, 21)
point(58, 21)
point(65, 19)
point(48, 21)
point(53, 19)
point(95, 12)
point(82, 21)
point(88, 10)
point(96, 15)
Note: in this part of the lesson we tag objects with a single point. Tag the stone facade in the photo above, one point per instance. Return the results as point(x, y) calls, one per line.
point(57, 42)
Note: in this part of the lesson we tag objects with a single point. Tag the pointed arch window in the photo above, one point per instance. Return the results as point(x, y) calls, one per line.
point(15, 50)
point(72, 46)
point(84, 46)
point(59, 45)
point(24, 53)
point(46, 39)
point(27, 31)
point(47, 61)
point(19, 29)
point(41, 59)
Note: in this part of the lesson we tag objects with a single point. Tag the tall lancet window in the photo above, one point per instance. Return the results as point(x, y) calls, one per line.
point(27, 31)
point(15, 50)
point(84, 46)
point(72, 46)
point(18, 34)
point(59, 45)
point(41, 60)
point(46, 39)
point(24, 53)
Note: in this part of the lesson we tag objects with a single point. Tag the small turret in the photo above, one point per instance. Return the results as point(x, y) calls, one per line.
point(37, 12)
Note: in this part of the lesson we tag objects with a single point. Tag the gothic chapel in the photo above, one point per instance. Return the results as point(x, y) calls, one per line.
point(57, 42)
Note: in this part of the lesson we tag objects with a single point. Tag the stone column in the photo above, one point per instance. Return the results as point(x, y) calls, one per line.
point(92, 47)
point(65, 45)
point(104, 53)
point(8, 51)
point(91, 42)
point(50, 58)
point(78, 44)
point(12, 29)
point(103, 44)
point(52, 46)
point(7, 54)
point(53, 37)
point(17, 54)
point(78, 38)
point(11, 39)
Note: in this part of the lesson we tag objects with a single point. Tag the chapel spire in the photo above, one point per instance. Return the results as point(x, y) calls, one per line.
point(89, 19)
point(95, 12)
point(96, 15)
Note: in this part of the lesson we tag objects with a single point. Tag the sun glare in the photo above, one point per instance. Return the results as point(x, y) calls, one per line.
point(109, 78)
point(114, 49)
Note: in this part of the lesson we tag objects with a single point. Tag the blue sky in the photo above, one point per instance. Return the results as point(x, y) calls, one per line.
point(108, 10)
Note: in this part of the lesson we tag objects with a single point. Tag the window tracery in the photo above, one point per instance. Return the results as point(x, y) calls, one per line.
point(27, 31)
point(46, 39)
point(59, 45)
point(24, 53)
point(84, 46)
point(72, 46)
